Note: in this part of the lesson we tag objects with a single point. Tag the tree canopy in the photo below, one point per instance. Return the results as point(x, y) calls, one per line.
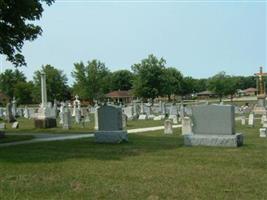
point(149, 77)
point(92, 81)
point(56, 84)
point(122, 80)
point(16, 27)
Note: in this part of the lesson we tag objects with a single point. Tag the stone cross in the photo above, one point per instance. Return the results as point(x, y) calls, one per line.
point(261, 83)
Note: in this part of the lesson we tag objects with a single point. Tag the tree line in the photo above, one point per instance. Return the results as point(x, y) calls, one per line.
point(148, 79)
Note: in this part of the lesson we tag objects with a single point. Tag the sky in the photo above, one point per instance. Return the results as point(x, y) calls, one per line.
point(199, 38)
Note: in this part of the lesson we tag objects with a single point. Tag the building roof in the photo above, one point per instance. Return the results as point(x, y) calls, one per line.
point(250, 90)
point(205, 93)
point(119, 94)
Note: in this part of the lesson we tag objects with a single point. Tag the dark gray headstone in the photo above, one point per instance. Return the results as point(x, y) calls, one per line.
point(109, 118)
point(213, 120)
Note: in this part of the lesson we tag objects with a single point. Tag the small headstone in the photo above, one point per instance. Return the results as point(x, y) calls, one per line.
point(15, 125)
point(124, 120)
point(142, 117)
point(66, 118)
point(263, 132)
point(263, 118)
point(168, 127)
point(186, 126)
point(251, 119)
point(243, 120)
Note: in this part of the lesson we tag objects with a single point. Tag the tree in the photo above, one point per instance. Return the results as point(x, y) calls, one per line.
point(56, 84)
point(8, 81)
point(24, 92)
point(149, 77)
point(15, 28)
point(172, 82)
point(121, 80)
point(92, 81)
point(223, 85)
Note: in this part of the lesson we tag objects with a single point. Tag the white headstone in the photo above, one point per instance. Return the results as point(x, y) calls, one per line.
point(243, 120)
point(15, 125)
point(251, 120)
point(263, 132)
point(186, 126)
point(168, 127)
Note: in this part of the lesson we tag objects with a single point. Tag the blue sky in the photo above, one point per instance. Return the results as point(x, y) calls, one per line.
point(200, 38)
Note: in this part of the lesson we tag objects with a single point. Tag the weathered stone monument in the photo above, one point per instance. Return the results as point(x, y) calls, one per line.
point(66, 118)
point(186, 126)
point(14, 107)
point(243, 120)
point(213, 125)
point(143, 115)
point(45, 117)
point(110, 127)
point(263, 132)
point(260, 107)
point(251, 119)
point(168, 127)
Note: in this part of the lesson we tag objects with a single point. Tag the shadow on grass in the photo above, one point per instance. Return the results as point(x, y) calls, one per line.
point(86, 148)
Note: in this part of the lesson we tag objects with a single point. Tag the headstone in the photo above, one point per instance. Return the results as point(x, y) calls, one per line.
point(124, 120)
point(263, 132)
point(96, 117)
point(263, 118)
point(243, 120)
point(15, 125)
point(61, 112)
point(110, 126)
point(264, 124)
point(1, 112)
point(186, 126)
point(66, 118)
point(213, 125)
point(168, 127)
point(142, 117)
point(251, 119)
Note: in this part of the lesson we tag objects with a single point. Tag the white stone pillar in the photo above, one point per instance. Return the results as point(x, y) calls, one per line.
point(43, 89)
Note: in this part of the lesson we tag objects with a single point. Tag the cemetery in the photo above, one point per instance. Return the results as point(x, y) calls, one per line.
point(147, 130)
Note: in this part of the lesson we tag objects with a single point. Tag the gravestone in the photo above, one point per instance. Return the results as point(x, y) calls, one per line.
point(124, 120)
point(168, 127)
point(96, 117)
point(251, 119)
point(263, 118)
point(186, 126)
point(213, 125)
point(243, 120)
point(263, 132)
point(110, 126)
point(66, 118)
point(14, 107)
point(1, 112)
point(15, 125)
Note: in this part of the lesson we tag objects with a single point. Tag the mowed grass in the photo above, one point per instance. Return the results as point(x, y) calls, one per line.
point(27, 126)
point(15, 138)
point(151, 166)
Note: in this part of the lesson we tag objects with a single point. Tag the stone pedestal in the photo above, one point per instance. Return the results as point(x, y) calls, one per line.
point(113, 137)
point(214, 140)
point(45, 123)
point(260, 108)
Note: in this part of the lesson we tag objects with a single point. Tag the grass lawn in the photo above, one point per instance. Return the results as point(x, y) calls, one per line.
point(15, 138)
point(27, 126)
point(151, 166)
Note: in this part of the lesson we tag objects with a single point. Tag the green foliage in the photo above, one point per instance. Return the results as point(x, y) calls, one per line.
point(149, 77)
point(173, 80)
point(188, 86)
point(121, 80)
point(223, 84)
point(15, 26)
point(92, 81)
point(56, 84)
point(8, 81)
point(24, 92)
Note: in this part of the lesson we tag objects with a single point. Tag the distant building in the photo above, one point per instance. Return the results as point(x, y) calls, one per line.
point(250, 92)
point(205, 94)
point(120, 96)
